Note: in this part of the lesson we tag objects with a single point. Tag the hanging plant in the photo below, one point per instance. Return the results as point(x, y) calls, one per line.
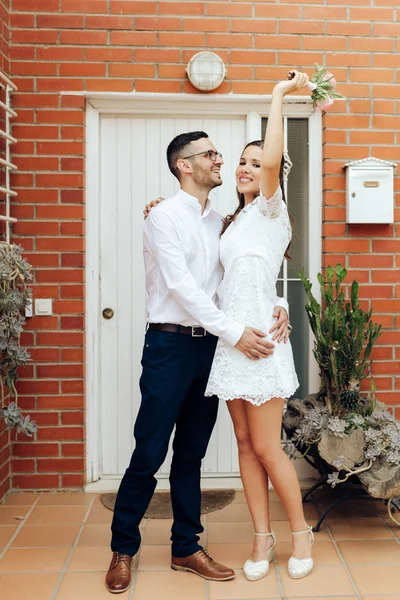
point(15, 297)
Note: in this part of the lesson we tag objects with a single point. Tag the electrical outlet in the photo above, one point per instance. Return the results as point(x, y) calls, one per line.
point(43, 307)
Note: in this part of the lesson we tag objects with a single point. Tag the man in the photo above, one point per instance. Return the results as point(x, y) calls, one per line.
point(181, 252)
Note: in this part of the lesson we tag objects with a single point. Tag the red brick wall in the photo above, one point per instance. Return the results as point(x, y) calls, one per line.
point(121, 45)
point(5, 472)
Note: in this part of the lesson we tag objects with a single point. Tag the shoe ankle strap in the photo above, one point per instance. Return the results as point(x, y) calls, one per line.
point(308, 530)
point(268, 534)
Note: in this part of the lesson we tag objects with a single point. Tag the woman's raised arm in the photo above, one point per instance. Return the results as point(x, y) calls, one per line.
point(273, 144)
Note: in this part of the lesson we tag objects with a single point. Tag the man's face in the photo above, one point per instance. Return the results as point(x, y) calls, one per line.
point(206, 172)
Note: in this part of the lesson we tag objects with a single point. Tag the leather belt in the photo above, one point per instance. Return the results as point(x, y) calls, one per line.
point(194, 331)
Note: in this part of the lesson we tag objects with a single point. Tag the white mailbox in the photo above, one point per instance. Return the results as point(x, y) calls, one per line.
point(370, 191)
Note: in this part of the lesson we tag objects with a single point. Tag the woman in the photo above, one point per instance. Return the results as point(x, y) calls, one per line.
point(253, 243)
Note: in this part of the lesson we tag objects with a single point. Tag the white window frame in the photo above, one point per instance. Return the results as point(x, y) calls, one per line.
point(252, 108)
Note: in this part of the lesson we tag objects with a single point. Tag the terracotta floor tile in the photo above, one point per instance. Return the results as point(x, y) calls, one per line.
point(230, 532)
point(324, 553)
point(97, 501)
point(57, 515)
point(240, 498)
point(66, 499)
point(155, 558)
point(395, 528)
point(157, 532)
point(328, 597)
point(27, 585)
point(241, 588)
point(376, 579)
point(46, 536)
point(232, 555)
point(94, 558)
point(9, 514)
point(384, 597)
point(6, 532)
point(95, 535)
point(358, 529)
point(39, 560)
point(171, 585)
point(283, 532)
point(370, 551)
point(24, 499)
point(233, 512)
point(321, 582)
point(86, 586)
point(100, 515)
point(353, 509)
point(278, 513)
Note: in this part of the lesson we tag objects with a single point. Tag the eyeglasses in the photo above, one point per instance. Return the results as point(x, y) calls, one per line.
point(212, 155)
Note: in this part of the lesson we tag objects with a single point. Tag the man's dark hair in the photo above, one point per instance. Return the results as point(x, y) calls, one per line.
point(176, 148)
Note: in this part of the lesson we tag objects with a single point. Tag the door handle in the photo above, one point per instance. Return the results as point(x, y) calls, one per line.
point(108, 313)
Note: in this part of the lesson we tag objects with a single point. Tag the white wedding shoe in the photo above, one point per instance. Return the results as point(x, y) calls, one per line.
point(297, 567)
point(257, 570)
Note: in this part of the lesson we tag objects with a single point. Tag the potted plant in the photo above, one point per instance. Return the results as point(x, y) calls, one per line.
point(342, 432)
point(14, 299)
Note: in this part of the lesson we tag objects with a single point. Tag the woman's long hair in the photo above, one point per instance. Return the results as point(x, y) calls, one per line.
point(230, 218)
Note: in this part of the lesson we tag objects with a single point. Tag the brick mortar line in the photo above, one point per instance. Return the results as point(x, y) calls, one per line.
point(74, 545)
point(17, 531)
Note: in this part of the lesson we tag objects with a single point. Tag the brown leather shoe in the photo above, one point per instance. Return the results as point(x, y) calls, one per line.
point(203, 565)
point(119, 576)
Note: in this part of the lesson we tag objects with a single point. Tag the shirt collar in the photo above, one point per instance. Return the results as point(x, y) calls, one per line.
point(192, 201)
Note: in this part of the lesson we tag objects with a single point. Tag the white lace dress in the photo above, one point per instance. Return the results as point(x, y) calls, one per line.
point(251, 252)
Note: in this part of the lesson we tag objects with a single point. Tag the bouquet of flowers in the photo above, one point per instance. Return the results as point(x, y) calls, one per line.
point(323, 88)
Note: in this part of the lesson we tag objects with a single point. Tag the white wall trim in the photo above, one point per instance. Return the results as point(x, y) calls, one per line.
point(93, 446)
point(250, 106)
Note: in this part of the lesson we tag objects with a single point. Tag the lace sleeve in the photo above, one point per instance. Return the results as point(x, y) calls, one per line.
point(271, 208)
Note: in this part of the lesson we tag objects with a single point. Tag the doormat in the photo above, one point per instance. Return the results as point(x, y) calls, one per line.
point(160, 505)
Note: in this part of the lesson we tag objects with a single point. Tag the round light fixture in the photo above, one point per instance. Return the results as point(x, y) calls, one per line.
point(206, 71)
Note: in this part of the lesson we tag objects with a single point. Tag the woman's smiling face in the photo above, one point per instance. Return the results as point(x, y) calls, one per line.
point(248, 171)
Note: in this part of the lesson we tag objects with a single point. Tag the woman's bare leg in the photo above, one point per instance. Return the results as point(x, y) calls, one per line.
point(264, 425)
point(254, 478)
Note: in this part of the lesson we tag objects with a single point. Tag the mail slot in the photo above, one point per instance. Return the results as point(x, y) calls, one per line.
point(370, 191)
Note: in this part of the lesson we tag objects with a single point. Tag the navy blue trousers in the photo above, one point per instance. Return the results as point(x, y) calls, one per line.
point(174, 377)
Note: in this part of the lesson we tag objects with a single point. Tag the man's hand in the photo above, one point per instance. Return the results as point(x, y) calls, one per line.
point(281, 326)
point(151, 205)
point(252, 344)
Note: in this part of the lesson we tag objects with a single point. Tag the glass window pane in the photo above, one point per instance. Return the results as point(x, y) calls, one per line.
point(297, 136)
point(300, 335)
point(298, 195)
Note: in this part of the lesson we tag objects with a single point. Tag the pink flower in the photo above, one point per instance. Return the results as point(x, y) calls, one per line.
point(324, 105)
point(332, 81)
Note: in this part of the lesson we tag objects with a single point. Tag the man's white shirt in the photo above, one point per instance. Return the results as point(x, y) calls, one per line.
point(183, 271)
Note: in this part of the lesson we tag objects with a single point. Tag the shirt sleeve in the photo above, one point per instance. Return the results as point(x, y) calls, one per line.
point(270, 207)
point(163, 239)
point(282, 302)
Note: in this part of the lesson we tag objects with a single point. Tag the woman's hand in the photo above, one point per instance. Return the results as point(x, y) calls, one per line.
point(281, 327)
point(151, 205)
point(295, 81)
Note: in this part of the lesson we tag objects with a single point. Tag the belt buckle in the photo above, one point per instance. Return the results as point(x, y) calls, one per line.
point(194, 327)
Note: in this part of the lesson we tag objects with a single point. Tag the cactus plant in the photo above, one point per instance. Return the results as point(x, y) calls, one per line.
point(344, 337)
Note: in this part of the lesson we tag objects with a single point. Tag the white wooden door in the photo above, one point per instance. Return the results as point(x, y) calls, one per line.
point(133, 170)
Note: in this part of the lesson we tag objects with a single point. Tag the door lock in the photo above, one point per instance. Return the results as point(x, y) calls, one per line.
point(108, 313)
